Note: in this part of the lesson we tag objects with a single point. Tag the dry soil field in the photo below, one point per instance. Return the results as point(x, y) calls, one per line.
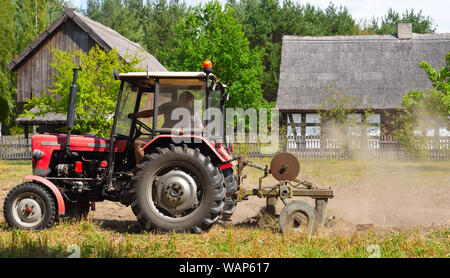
point(403, 197)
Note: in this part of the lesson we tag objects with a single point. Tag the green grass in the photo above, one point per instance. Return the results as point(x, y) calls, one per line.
point(12, 172)
point(96, 239)
point(220, 242)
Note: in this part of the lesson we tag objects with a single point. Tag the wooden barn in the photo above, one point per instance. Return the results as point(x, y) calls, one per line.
point(71, 30)
point(375, 70)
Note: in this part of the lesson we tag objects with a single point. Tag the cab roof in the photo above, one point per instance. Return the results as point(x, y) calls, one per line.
point(148, 77)
point(165, 74)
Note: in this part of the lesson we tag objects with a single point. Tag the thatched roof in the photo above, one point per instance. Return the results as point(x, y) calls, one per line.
point(378, 70)
point(44, 119)
point(105, 37)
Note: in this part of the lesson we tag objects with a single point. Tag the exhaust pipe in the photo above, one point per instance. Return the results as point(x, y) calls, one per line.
point(71, 108)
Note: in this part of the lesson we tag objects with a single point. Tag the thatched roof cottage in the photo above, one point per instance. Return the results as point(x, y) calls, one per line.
point(375, 70)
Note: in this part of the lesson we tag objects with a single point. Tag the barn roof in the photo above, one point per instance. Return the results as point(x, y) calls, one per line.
point(377, 70)
point(44, 119)
point(105, 37)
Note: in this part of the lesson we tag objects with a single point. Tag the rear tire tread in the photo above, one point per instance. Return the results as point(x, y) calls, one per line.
point(218, 189)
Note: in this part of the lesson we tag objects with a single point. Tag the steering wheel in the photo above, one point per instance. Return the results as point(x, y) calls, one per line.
point(139, 126)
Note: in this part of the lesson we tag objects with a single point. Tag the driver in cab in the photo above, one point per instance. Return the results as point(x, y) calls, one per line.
point(186, 100)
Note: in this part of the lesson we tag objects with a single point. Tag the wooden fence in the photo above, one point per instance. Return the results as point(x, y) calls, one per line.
point(15, 147)
point(305, 147)
point(370, 147)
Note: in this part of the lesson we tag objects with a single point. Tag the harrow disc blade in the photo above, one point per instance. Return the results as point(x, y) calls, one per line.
point(285, 166)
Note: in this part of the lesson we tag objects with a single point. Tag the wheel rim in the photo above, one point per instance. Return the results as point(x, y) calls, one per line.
point(297, 222)
point(28, 209)
point(174, 193)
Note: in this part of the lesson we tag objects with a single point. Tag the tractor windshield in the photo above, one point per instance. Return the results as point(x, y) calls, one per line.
point(182, 104)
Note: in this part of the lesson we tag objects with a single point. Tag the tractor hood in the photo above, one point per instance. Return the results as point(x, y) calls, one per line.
point(77, 143)
point(43, 146)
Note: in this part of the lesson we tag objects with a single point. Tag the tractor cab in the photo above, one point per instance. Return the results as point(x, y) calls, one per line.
point(161, 108)
point(177, 103)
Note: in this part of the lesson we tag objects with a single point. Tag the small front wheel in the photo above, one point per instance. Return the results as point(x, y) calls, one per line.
point(29, 206)
point(298, 217)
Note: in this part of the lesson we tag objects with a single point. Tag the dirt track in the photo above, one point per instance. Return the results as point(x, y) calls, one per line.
point(386, 200)
point(363, 208)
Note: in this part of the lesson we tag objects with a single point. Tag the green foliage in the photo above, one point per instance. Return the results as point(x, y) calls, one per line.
point(211, 32)
point(160, 19)
point(124, 16)
point(423, 110)
point(420, 24)
point(432, 105)
point(6, 43)
point(16, 130)
point(97, 90)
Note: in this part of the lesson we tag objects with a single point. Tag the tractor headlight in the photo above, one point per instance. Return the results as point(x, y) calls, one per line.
point(37, 155)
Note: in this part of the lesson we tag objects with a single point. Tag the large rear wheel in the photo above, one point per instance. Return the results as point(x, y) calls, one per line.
point(177, 189)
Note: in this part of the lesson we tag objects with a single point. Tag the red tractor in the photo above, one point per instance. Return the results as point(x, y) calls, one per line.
point(183, 181)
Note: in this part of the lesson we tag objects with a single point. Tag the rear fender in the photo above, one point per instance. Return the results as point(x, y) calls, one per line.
point(54, 190)
point(218, 155)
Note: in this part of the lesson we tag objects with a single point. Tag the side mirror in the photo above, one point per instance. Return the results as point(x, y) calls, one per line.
point(72, 100)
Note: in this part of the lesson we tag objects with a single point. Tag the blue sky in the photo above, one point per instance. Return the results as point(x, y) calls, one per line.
point(438, 10)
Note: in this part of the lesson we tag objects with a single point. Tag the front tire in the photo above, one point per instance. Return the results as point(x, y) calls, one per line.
point(29, 206)
point(177, 189)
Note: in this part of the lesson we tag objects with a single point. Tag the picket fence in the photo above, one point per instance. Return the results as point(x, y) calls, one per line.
point(305, 147)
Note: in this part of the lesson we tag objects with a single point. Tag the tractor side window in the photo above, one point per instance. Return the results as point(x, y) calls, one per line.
point(214, 125)
point(129, 96)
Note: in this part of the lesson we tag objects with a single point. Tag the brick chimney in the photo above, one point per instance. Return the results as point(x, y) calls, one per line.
point(404, 31)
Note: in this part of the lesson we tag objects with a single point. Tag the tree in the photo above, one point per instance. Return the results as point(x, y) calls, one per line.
point(160, 19)
point(212, 32)
point(123, 16)
point(420, 23)
point(432, 105)
point(6, 44)
point(424, 110)
point(97, 90)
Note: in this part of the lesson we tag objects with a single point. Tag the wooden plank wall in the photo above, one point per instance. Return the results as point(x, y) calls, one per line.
point(34, 74)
